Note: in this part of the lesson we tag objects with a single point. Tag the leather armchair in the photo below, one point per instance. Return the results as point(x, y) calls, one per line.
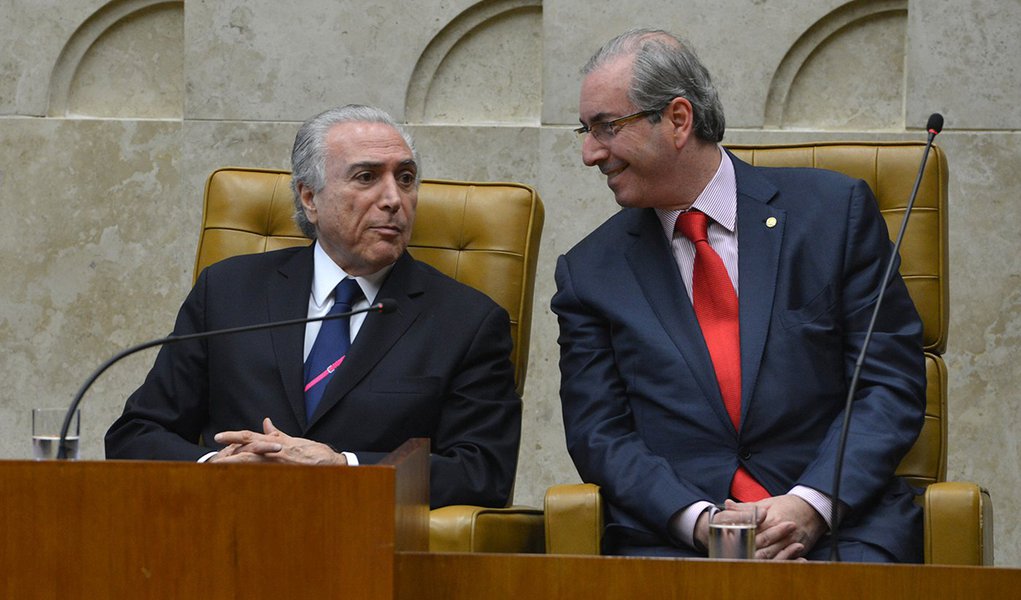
point(485, 235)
point(958, 516)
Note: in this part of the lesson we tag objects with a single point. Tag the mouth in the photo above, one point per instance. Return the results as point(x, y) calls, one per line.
point(388, 230)
point(612, 174)
point(612, 171)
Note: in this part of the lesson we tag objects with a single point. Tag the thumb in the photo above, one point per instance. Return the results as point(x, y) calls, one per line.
point(269, 428)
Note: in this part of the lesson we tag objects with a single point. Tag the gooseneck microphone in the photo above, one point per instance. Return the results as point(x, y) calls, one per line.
point(933, 126)
point(384, 306)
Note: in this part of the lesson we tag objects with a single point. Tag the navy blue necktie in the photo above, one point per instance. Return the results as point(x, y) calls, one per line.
point(330, 346)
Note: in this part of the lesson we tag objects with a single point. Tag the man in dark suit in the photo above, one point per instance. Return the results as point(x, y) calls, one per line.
point(438, 367)
point(708, 330)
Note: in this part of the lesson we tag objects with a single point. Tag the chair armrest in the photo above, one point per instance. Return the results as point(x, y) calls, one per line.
point(958, 524)
point(574, 519)
point(476, 529)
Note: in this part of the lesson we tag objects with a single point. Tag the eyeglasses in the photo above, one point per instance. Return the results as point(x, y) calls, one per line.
point(604, 131)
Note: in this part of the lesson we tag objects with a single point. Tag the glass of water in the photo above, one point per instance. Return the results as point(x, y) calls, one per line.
point(732, 531)
point(46, 426)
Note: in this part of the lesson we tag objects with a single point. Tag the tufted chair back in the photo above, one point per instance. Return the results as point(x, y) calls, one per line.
point(889, 168)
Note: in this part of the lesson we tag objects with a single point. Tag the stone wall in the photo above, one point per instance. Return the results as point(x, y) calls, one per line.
point(113, 113)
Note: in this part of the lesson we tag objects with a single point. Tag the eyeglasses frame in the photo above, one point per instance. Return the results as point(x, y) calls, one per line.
point(609, 129)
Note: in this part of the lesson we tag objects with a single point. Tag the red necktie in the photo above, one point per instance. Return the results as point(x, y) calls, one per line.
point(717, 311)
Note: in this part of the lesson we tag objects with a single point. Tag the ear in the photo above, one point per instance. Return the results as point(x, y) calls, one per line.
point(308, 202)
point(680, 116)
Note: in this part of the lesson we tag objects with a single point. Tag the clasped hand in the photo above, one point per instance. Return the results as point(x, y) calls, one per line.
point(788, 527)
point(273, 445)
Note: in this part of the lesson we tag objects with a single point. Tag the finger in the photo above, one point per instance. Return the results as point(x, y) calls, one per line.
point(262, 447)
point(268, 426)
point(781, 550)
point(775, 534)
point(242, 457)
point(236, 437)
point(790, 552)
point(223, 453)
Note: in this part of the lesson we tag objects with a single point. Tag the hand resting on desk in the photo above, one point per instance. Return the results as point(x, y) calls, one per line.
point(273, 445)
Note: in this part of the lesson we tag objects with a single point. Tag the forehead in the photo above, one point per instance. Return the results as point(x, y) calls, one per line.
point(604, 91)
point(366, 142)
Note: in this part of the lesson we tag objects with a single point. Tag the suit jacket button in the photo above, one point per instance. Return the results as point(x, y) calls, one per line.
point(744, 453)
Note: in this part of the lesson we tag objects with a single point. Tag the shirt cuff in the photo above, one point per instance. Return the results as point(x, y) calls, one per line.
point(352, 460)
point(682, 524)
point(819, 501)
point(206, 457)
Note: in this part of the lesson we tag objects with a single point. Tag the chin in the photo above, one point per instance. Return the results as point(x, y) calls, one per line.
point(627, 201)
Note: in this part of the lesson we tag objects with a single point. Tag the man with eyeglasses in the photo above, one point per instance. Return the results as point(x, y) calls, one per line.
point(708, 331)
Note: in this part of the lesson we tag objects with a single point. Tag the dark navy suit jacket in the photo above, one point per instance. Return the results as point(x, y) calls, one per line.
point(642, 409)
point(438, 367)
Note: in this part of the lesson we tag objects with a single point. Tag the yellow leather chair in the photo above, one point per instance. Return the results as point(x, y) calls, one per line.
point(958, 516)
point(485, 235)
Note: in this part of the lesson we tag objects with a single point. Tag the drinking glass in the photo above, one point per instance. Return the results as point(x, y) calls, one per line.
point(732, 532)
point(46, 426)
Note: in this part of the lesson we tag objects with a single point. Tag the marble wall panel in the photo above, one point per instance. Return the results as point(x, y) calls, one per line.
point(134, 68)
point(492, 74)
point(32, 35)
point(271, 60)
point(963, 60)
point(985, 323)
point(89, 252)
point(838, 87)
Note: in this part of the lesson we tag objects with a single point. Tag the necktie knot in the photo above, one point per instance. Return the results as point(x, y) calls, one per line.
point(693, 225)
point(345, 295)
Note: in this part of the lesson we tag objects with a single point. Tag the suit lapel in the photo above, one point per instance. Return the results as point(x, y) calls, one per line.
point(287, 295)
point(377, 334)
point(653, 265)
point(760, 236)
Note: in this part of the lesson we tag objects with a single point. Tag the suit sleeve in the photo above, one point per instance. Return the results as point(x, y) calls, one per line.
point(601, 435)
point(889, 405)
point(475, 444)
point(162, 419)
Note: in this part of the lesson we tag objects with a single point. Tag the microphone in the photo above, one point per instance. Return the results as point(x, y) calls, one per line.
point(933, 126)
point(384, 306)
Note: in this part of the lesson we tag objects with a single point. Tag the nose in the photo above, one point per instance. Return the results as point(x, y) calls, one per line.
point(592, 151)
point(390, 195)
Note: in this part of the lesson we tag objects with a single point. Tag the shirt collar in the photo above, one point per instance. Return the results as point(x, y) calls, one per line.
point(327, 275)
point(718, 200)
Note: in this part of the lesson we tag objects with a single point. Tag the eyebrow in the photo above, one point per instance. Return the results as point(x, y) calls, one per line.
point(376, 165)
point(599, 117)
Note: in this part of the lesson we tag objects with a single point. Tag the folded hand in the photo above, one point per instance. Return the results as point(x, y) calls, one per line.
point(273, 445)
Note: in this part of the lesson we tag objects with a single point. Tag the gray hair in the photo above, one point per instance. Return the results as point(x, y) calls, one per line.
point(308, 157)
point(665, 67)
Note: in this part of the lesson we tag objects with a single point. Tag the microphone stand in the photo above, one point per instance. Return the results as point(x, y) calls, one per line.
point(934, 126)
point(383, 306)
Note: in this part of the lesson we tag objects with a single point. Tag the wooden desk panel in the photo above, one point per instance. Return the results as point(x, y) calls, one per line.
point(180, 530)
point(422, 576)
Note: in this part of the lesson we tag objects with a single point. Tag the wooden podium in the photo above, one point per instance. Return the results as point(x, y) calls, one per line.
point(179, 530)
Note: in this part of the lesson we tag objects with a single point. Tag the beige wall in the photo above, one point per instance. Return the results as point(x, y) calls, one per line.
point(112, 114)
